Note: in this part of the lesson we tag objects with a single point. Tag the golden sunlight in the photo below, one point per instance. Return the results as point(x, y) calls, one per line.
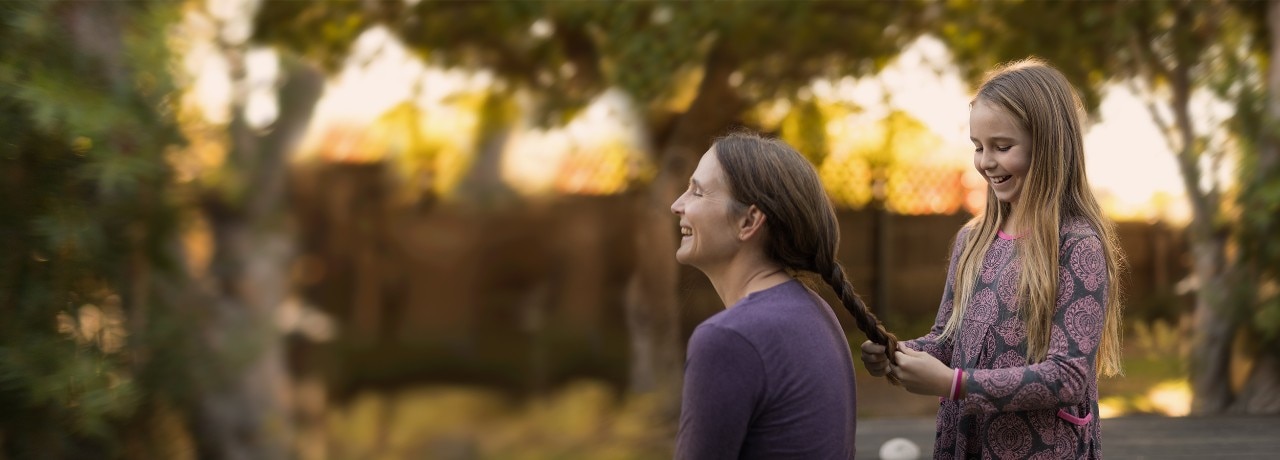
point(1171, 398)
point(600, 152)
point(906, 131)
point(1130, 165)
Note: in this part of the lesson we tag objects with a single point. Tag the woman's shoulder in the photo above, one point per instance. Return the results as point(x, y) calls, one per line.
point(751, 303)
point(768, 307)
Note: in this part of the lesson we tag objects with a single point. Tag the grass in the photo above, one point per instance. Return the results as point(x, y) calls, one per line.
point(1156, 375)
point(582, 420)
point(593, 419)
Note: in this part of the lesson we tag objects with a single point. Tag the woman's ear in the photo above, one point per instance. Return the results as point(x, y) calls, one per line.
point(751, 223)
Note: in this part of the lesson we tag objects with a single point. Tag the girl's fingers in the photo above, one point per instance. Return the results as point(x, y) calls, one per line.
point(892, 375)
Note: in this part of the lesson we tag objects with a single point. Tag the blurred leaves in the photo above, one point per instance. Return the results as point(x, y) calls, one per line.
point(566, 53)
point(805, 128)
point(321, 30)
point(1087, 41)
point(1240, 78)
point(82, 115)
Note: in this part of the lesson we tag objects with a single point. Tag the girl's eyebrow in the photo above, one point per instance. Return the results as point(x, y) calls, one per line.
point(996, 138)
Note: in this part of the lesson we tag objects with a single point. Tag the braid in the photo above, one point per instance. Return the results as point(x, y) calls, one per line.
point(866, 321)
point(804, 233)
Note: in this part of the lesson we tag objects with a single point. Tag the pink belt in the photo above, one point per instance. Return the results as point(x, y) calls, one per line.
point(1078, 421)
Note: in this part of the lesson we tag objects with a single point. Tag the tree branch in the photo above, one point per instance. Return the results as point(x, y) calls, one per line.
point(1148, 101)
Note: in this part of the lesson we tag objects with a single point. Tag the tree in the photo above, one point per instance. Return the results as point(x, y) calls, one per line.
point(1257, 125)
point(90, 343)
point(243, 408)
point(695, 68)
point(1173, 51)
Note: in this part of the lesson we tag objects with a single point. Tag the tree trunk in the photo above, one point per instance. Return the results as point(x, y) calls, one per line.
point(1213, 330)
point(483, 186)
point(1269, 147)
point(245, 413)
point(653, 314)
point(1212, 333)
point(1261, 392)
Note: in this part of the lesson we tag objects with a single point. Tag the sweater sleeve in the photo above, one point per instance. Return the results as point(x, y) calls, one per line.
point(1065, 375)
point(724, 382)
point(932, 343)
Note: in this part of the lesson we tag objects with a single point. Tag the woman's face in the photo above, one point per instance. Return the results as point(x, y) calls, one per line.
point(1001, 150)
point(707, 211)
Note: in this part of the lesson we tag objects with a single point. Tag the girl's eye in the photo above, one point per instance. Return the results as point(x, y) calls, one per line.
point(1005, 148)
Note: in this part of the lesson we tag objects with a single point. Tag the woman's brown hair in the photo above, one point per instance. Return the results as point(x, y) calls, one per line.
point(803, 233)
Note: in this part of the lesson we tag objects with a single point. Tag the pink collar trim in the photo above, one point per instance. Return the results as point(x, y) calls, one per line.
point(1006, 236)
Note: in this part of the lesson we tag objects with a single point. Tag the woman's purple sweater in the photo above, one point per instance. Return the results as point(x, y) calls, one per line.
point(769, 377)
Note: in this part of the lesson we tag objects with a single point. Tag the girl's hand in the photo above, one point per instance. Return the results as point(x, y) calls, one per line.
point(875, 359)
point(921, 373)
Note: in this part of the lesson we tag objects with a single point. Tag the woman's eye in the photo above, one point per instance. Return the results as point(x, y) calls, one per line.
point(1005, 148)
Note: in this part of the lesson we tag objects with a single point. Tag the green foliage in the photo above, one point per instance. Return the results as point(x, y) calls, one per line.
point(82, 133)
point(1258, 206)
point(805, 128)
point(1093, 43)
point(321, 30)
point(1240, 67)
point(1085, 40)
point(568, 52)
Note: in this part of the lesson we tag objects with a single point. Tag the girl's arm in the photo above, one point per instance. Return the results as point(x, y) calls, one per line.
point(1068, 372)
point(931, 342)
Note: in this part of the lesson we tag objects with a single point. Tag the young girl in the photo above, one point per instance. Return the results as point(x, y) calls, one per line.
point(1030, 313)
point(771, 376)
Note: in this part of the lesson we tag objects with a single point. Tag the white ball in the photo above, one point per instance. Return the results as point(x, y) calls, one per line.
point(899, 449)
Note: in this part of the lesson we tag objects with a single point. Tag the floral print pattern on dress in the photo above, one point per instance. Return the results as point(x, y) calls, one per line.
point(1010, 410)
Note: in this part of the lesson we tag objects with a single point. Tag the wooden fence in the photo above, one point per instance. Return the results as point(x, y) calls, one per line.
point(530, 293)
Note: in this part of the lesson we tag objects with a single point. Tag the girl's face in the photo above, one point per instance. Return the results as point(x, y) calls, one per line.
point(708, 229)
point(1002, 150)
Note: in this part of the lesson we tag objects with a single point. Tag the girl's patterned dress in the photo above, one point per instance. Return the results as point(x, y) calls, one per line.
point(1012, 409)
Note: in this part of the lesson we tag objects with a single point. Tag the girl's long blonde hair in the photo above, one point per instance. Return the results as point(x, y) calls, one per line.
point(1041, 99)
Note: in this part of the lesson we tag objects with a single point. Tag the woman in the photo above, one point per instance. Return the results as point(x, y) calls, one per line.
point(771, 376)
